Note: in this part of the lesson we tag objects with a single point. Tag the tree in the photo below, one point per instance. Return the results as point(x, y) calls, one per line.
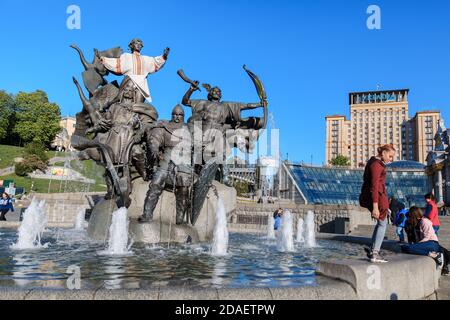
point(340, 161)
point(37, 120)
point(6, 111)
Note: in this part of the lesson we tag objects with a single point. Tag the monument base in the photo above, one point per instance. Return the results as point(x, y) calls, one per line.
point(157, 232)
point(162, 228)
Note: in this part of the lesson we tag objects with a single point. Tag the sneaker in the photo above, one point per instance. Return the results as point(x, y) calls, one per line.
point(433, 255)
point(444, 272)
point(440, 260)
point(377, 258)
point(368, 252)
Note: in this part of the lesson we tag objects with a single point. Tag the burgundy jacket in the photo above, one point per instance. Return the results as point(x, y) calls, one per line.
point(374, 187)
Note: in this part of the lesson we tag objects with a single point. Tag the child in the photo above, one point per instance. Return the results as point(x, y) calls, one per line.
point(277, 217)
point(432, 212)
point(400, 221)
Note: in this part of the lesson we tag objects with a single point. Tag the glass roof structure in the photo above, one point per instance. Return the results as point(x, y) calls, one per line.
point(406, 165)
point(406, 181)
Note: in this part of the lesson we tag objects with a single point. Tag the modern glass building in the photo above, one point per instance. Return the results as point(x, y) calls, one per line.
point(406, 181)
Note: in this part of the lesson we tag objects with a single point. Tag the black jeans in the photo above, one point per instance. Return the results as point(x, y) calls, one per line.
point(2, 214)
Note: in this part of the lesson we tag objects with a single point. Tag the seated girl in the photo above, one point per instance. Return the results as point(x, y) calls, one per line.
point(427, 243)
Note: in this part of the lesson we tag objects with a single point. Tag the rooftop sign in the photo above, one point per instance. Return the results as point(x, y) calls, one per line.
point(378, 97)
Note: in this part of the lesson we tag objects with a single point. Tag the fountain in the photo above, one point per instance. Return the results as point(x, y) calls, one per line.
point(310, 239)
point(32, 227)
point(118, 234)
point(80, 222)
point(270, 227)
point(300, 231)
point(191, 216)
point(220, 240)
point(285, 238)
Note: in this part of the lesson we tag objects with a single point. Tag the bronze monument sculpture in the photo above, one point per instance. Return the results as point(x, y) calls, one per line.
point(146, 158)
point(174, 168)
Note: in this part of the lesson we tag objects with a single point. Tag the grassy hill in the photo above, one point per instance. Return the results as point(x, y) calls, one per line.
point(9, 153)
point(88, 169)
point(53, 186)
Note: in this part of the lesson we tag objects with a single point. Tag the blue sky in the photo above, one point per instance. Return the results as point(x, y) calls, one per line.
point(309, 54)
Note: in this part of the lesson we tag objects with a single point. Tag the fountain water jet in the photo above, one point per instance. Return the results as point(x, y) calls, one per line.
point(270, 227)
point(80, 222)
point(220, 241)
point(32, 227)
point(285, 235)
point(118, 234)
point(300, 231)
point(310, 230)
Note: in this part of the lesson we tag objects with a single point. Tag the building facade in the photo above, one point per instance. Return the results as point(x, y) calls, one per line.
point(438, 167)
point(378, 118)
point(424, 128)
point(62, 139)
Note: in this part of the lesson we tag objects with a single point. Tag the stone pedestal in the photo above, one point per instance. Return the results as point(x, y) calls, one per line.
point(162, 228)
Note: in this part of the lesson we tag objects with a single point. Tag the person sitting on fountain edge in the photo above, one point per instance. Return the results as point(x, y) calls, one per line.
point(5, 206)
point(427, 243)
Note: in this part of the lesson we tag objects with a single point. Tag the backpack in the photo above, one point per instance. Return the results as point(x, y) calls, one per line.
point(400, 218)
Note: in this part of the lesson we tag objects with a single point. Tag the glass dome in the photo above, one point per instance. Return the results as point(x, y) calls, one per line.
point(406, 164)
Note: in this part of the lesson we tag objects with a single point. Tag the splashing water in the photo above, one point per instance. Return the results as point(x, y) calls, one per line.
point(80, 222)
point(270, 227)
point(32, 227)
point(118, 234)
point(285, 235)
point(300, 231)
point(310, 231)
point(220, 241)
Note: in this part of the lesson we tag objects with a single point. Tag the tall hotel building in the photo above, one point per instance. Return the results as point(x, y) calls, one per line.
point(378, 118)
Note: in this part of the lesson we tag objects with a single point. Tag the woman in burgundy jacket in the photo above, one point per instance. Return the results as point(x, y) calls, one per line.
point(374, 197)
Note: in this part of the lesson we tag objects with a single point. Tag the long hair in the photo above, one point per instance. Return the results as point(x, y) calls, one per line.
point(414, 216)
point(386, 147)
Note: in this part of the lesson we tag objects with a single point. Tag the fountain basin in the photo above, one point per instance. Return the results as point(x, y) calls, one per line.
point(252, 262)
point(327, 289)
point(181, 272)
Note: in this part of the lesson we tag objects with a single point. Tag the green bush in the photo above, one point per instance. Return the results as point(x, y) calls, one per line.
point(22, 169)
point(30, 163)
point(38, 149)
